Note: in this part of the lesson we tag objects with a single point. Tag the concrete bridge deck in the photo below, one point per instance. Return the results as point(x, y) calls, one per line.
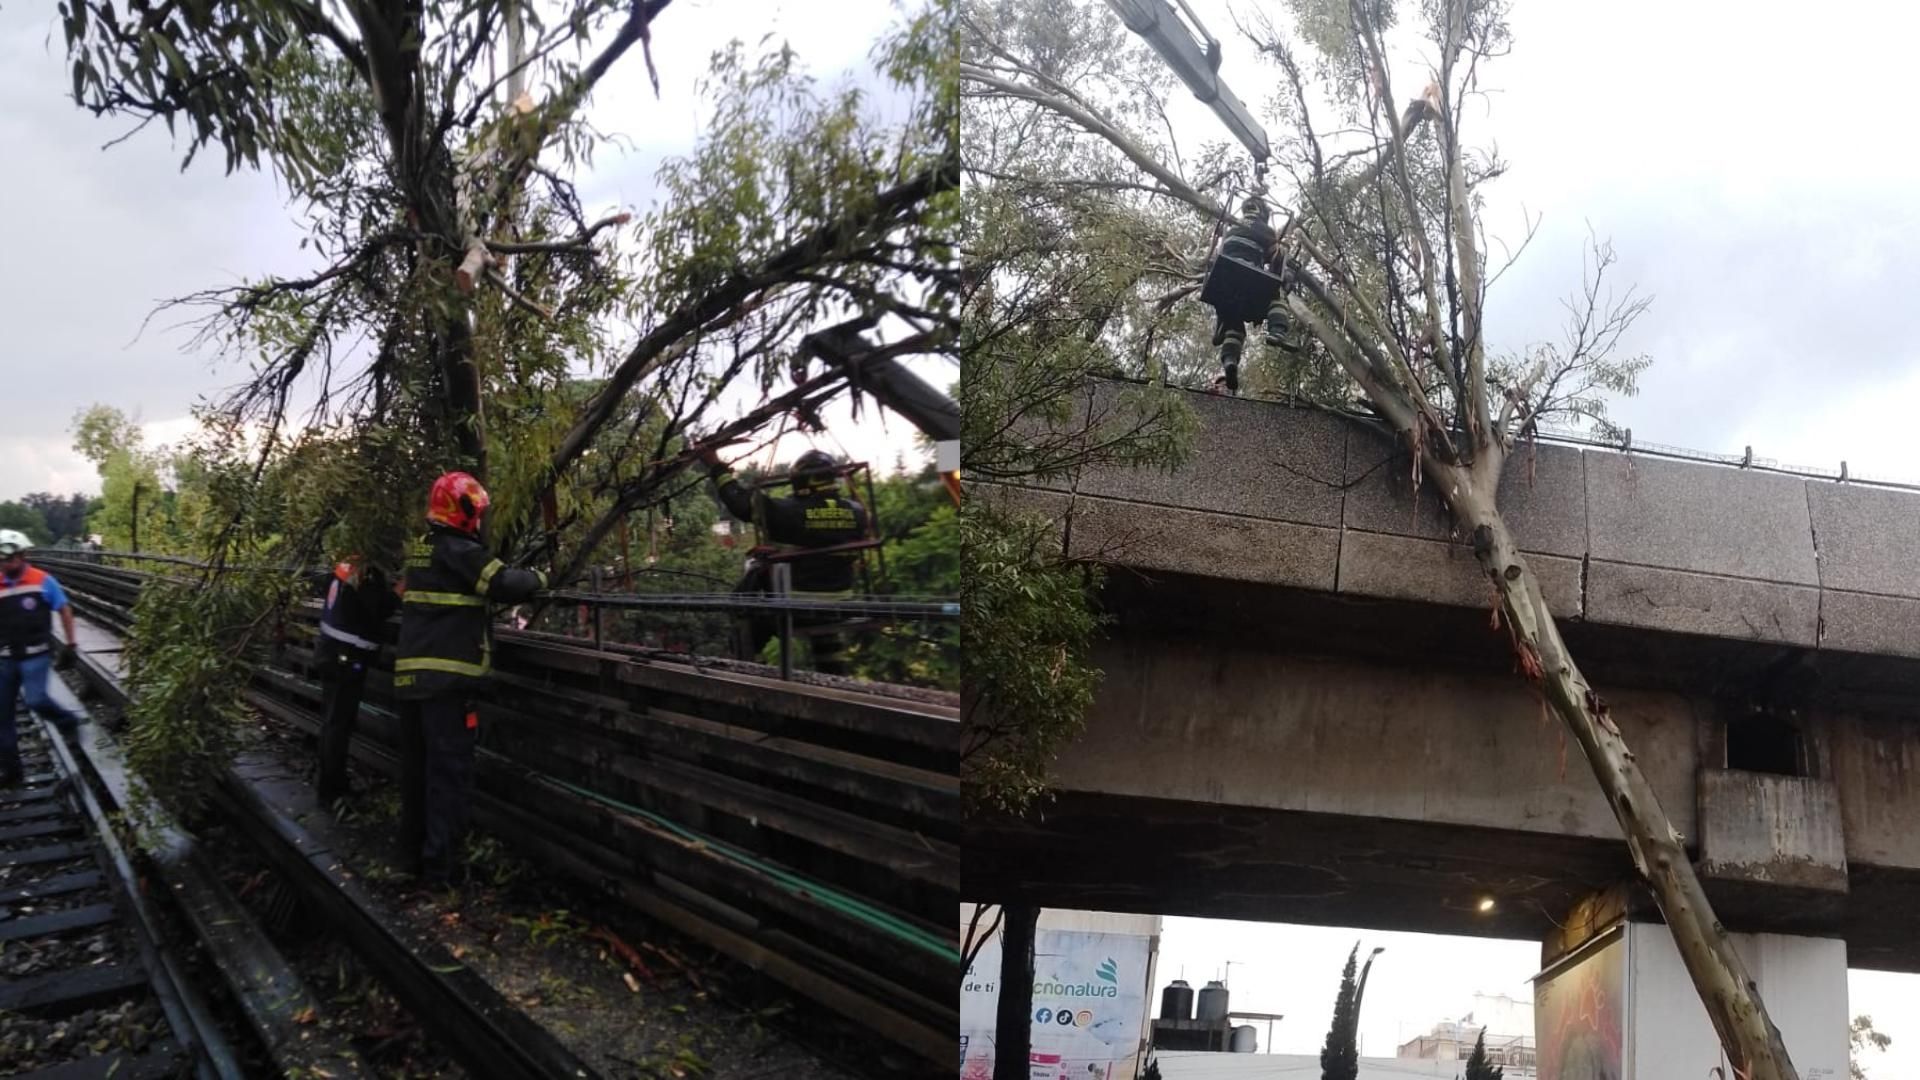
point(1307, 718)
point(1296, 498)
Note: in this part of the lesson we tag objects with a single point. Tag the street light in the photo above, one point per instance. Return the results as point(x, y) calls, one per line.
point(1360, 991)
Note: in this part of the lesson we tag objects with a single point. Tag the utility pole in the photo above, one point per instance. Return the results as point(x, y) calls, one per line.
point(1013, 1016)
point(136, 517)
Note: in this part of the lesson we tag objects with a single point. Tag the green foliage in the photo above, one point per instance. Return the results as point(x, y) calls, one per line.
point(1028, 625)
point(1478, 1067)
point(1340, 1055)
point(14, 515)
point(66, 516)
point(139, 501)
point(1068, 259)
point(920, 556)
point(1861, 1040)
point(188, 661)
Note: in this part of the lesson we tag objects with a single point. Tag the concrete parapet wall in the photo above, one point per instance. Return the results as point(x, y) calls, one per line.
point(1300, 498)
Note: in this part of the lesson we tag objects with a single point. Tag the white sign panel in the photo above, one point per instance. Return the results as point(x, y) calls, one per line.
point(1089, 1007)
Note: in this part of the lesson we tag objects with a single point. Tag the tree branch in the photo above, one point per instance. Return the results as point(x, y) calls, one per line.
point(580, 242)
point(1429, 278)
point(1101, 126)
point(811, 249)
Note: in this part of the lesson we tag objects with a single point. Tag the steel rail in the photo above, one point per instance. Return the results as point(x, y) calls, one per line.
point(478, 1026)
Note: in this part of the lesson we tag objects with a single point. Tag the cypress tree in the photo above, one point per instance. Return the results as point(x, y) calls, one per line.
point(1340, 1059)
point(1478, 1067)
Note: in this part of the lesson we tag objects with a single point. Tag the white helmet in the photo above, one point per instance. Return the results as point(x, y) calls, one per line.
point(12, 542)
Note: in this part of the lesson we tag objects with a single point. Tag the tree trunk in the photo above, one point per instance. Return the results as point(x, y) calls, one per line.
point(1013, 1019)
point(1730, 995)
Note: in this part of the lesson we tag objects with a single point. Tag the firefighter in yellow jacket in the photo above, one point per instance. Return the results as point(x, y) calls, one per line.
point(441, 665)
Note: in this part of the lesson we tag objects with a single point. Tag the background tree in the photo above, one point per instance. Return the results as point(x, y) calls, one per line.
point(919, 557)
point(1340, 1055)
point(66, 516)
point(138, 497)
point(1478, 1065)
point(15, 515)
point(1862, 1039)
point(1381, 205)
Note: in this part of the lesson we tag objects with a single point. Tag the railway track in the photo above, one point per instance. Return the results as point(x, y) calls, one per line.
point(807, 831)
point(88, 987)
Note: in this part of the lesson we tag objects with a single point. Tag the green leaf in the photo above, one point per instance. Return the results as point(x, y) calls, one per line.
point(175, 62)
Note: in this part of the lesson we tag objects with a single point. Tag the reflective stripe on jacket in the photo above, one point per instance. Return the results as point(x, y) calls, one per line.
point(800, 521)
point(354, 614)
point(446, 638)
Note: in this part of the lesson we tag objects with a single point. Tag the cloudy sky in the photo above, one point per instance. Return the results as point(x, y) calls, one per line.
point(1746, 161)
point(98, 237)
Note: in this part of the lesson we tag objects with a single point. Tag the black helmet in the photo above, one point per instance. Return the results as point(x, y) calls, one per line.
point(812, 469)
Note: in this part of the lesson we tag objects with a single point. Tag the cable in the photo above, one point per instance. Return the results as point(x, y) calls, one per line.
point(856, 909)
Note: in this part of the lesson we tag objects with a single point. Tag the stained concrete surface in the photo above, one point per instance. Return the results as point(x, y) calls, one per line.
point(1729, 553)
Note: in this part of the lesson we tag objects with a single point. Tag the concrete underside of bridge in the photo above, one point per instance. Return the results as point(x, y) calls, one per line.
point(1154, 856)
point(1289, 756)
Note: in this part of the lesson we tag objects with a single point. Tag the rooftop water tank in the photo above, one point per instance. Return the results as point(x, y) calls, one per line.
point(1244, 1041)
point(1213, 1001)
point(1176, 1001)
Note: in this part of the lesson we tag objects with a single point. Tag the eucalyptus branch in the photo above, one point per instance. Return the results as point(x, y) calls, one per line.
point(564, 104)
point(1383, 107)
point(1090, 119)
point(581, 242)
point(819, 245)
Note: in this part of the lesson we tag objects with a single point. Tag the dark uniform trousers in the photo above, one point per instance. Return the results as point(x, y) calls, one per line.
point(436, 770)
point(829, 650)
point(350, 628)
point(346, 685)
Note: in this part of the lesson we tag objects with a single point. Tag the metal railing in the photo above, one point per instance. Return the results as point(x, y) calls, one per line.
point(778, 604)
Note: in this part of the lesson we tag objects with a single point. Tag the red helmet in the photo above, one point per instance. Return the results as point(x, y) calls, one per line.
point(457, 501)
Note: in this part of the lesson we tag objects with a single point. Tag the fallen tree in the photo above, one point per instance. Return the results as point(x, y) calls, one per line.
point(1383, 237)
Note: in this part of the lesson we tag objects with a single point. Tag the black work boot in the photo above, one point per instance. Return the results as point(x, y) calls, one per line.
point(1230, 360)
point(1277, 328)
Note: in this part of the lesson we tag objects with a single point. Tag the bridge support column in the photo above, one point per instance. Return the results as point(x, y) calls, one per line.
point(1614, 1000)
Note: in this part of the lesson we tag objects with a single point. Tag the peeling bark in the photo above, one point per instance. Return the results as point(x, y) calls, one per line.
point(1731, 997)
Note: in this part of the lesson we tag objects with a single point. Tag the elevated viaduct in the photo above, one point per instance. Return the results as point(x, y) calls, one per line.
point(1307, 717)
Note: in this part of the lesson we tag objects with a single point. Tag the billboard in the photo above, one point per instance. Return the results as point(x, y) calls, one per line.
point(1580, 1016)
point(1089, 1006)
